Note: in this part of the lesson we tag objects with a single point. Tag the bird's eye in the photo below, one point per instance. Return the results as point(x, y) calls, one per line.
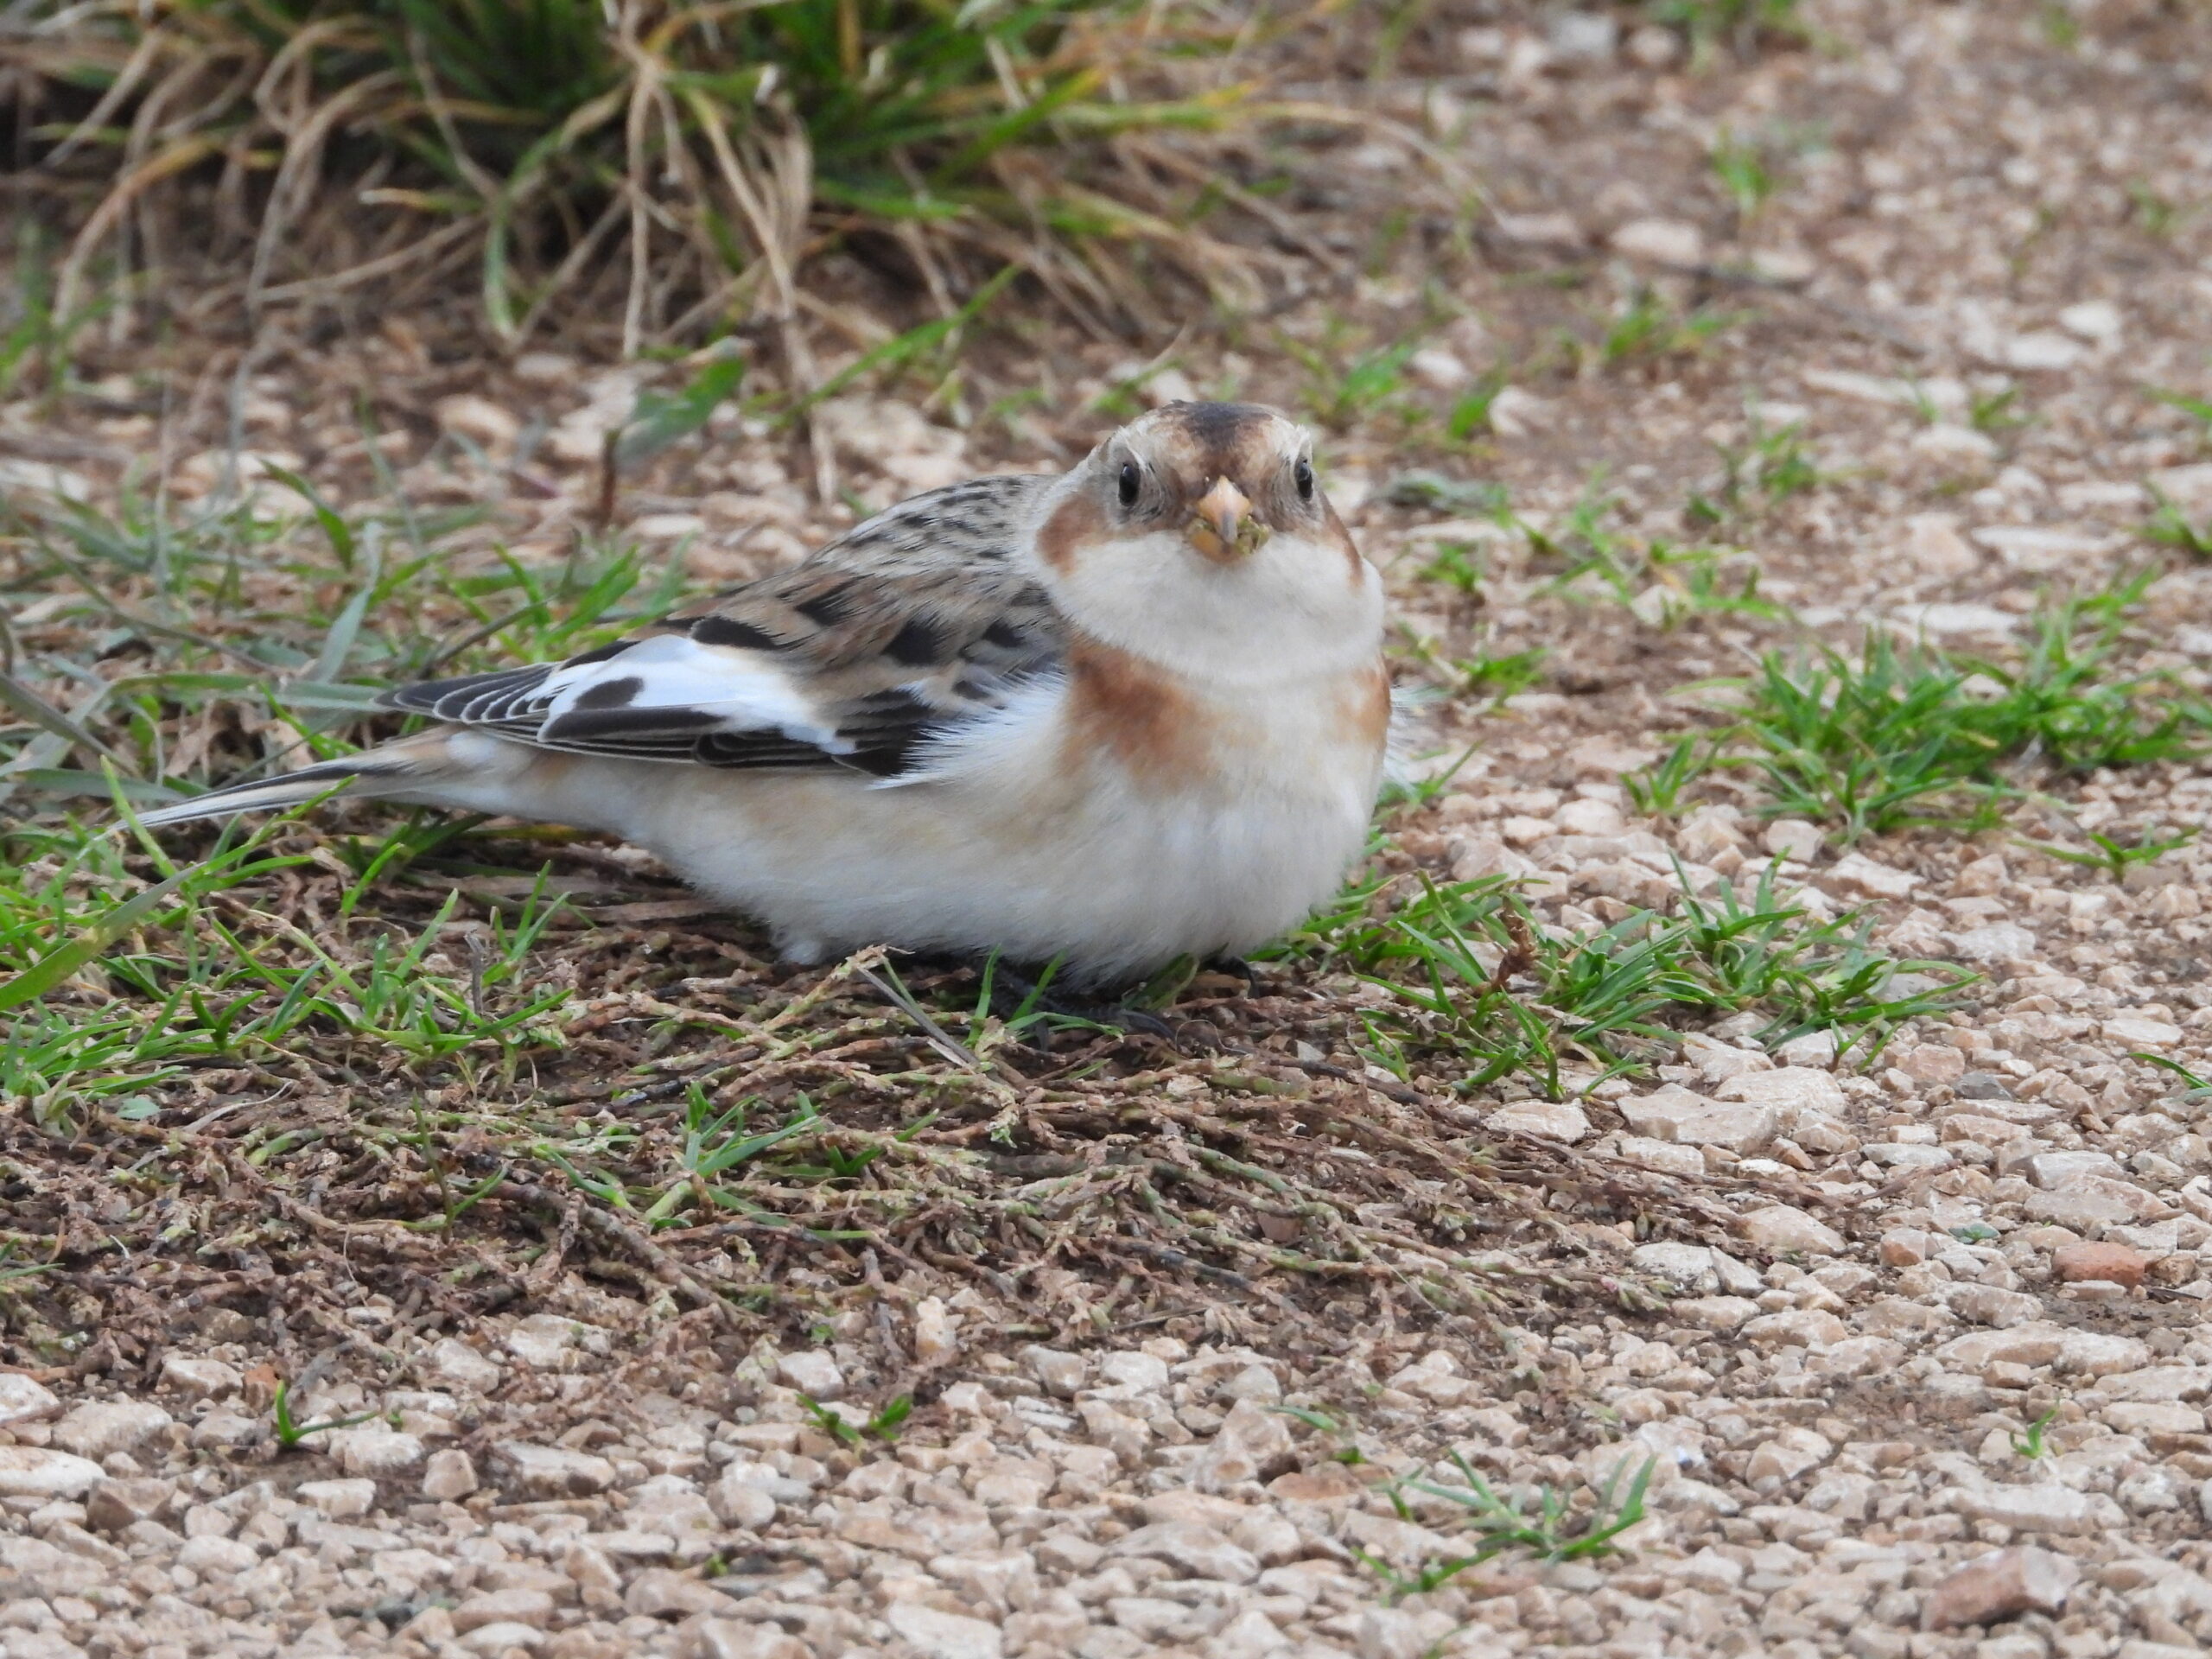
point(1131, 480)
point(1302, 475)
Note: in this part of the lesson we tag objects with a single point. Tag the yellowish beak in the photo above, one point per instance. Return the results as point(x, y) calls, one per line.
point(1220, 526)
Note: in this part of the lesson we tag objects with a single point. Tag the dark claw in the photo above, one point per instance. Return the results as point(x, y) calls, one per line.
point(1011, 989)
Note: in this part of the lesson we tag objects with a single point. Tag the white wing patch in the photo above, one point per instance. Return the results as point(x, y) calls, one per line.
point(672, 683)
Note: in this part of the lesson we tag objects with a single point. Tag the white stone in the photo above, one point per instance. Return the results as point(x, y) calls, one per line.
point(731, 1638)
point(1252, 1635)
point(1941, 620)
point(1715, 1312)
point(1131, 1374)
point(673, 1507)
point(1662, 241)
point(939, 1635)
point(25, 1398)
point(1674, 1114)
point(1251, 1440)
point(813, 1373)
point(1552, 1120)
point(2034, 548)
point(555, 1471)
point(1778, 1227)
point(1199, 1551)
point(741, 1501)
point(2094, 321)
point(200, 1379)
point(1945, 442)
point(1717, 1062)
point(43, 478)
point(1933, 542)
point(2049, 1169)
point(1060, 1372)
point(1795, 1091)
point(478, 418)
point(1516, 413)
point(2188, 487)
point(1858, 873)
point(375, 1451)
point(1813, 1050)
point(2040, 1508)
point(453, 1363)
point(1793, 839)
point(448, 1477)
point(547, 1342)
point(34, 1471)
point(1790, 1454)
point(337, 1500)
point(2042, 351)
point(1998, 942)
point(494, 1640)
point(1863, 388)
point(2139, 1030)
point(1686, 1267)
point(1662, 1155)
point(211, 1555)
point(936, 1333)
point(101, 1429)
point(1441, 370)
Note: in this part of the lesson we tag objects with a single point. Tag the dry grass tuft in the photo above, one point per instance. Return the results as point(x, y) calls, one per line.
point(677, 164)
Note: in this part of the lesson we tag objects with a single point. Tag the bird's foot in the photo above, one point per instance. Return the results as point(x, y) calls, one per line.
point(1035, 1009)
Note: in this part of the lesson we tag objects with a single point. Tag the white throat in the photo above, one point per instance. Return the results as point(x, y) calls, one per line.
point(1291, 611)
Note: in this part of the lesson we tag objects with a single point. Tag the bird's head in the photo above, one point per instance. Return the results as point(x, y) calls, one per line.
point(1205, 524)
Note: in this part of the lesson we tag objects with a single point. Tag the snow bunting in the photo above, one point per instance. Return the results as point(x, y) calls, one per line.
point(1115, 717)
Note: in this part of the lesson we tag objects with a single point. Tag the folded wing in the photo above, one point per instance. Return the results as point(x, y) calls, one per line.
point(900, 631)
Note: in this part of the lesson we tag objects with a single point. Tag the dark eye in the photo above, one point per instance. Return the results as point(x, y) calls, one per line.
point(1302, 475)
point(1131, 480)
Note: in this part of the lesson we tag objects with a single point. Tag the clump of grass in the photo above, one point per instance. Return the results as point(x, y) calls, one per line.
point(686, 157)
point(291, 1433)
point(1741, 26)
point(2113, 855)
point(1551, 1531)
point(1475, 977)
point(2173, 527)
point(2030, 1446)
point(1739, 165)
point(1900, 736)
point(1768, 467)
point(882, 1425)
point(1648, 329)
point(1661, 583)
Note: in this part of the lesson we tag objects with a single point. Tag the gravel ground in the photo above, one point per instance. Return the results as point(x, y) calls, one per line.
point(2003, 1223)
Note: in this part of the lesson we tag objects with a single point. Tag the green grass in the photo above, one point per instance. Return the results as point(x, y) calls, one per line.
point(1648, 329)
point(291, 1433)
point(1553, 1530)
point(1478, 983)
point(2111, 854)
point(1740, 167)
point(1769, 466)
point(1899, 736)
point(1742, 26)
point(2030, 1446)
point(680, 158)
point(2172, 527)
point(1662, 584)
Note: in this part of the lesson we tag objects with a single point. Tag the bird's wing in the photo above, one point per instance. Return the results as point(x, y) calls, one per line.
point(909, 624)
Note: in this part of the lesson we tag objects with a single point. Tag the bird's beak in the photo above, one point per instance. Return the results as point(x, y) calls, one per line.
point(1221, 527)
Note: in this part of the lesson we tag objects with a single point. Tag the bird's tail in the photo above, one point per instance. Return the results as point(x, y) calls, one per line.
point(395, 769)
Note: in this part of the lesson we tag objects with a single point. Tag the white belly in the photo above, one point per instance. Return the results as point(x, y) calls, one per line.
point(1009, 849)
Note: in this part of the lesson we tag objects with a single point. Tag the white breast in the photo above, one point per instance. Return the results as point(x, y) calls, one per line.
point(1006, 846)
